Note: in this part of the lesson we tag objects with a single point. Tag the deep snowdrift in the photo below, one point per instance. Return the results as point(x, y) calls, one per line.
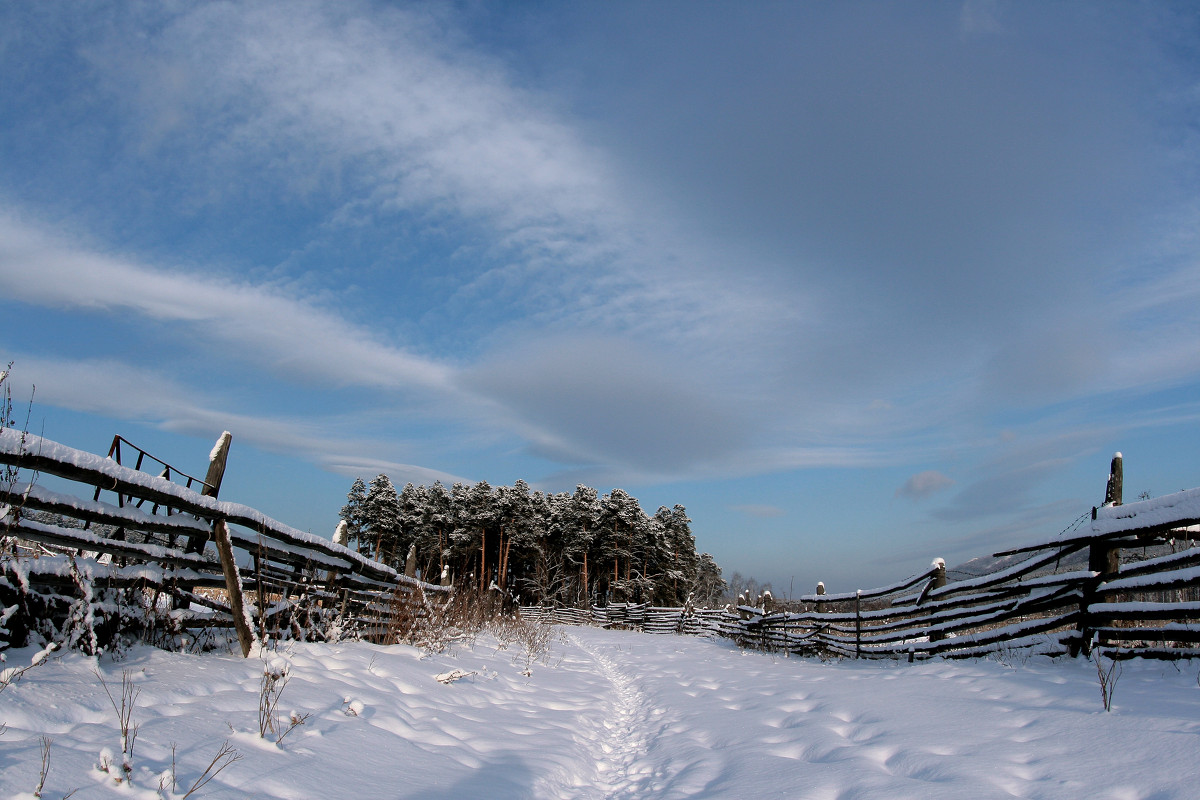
point(608, 714)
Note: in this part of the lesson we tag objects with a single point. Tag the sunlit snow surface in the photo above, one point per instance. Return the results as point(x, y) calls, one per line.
point(611, 714)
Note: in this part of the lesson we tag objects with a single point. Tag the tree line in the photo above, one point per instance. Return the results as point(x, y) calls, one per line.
point(567, 549)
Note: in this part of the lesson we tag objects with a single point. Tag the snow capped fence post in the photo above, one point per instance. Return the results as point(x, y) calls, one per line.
point(1116, 481)
point(212, 481)
point(216, 465)
point(936, 582)
point(233, 580)
point(1104, 558)
point(410, 563)
point(858, 623)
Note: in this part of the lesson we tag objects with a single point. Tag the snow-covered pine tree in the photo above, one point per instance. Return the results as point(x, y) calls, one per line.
point(438, 521)
point(480, 517)
point(677, 559)
point(622, 524)
point(580, 521)
point(532, 578)
point(381, 518)
point(514, 524)
point(462, 535)
point(709, 587)
point(411, 506)
point(352, 512)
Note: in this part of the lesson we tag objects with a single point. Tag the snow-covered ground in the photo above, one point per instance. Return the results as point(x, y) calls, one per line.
point(607, 714)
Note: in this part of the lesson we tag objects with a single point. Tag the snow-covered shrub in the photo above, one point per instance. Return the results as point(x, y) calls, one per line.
point(129, 731)
point(433, 624)
point(11, 675)
point(275, 677)
point(270, 690)
point(533, 637)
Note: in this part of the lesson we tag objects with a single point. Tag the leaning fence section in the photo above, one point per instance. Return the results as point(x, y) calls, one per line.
point(124, 550)
point(1129, 583)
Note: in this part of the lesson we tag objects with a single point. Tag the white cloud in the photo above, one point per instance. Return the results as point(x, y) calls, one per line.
point(924, 484)
point(262, 325)
point(399, 474)
point(120, 391)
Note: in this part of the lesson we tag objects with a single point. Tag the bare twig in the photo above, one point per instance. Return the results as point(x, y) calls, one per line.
point(294, 721)
point(225, 756)
point(46, 742)
point(1108, 678)
point(162, 779)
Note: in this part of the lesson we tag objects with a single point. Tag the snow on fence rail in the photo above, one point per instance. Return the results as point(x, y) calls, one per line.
point(1125, 602)
point(87, 568)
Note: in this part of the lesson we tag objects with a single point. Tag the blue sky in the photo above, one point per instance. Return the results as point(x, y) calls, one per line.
point(859, 284)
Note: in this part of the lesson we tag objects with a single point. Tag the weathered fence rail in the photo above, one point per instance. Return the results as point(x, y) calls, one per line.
point(163, 565)
point(1122, 599)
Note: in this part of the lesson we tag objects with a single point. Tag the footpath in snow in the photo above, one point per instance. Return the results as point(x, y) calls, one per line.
point(607, 714)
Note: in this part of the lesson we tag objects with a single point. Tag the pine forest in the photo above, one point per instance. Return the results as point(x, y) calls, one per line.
point(567, 549)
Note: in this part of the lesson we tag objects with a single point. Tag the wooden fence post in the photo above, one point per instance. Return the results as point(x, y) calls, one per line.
point(216, 465)
point(233, 580)
point(410, 563)
point(1116, 481)
point(258, 589)
point(233, 585)
point(936, 582)
point(212, 482)
point(858, 623)
point(1104, 558)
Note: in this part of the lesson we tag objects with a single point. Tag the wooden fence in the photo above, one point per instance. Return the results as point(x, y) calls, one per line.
point(137, 549)
point(651, 619)
point(128, 549)
point(1130, 585)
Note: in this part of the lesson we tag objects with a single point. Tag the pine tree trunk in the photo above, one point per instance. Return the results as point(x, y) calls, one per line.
point(507, 551)
point(586, 593)
point(503, 559)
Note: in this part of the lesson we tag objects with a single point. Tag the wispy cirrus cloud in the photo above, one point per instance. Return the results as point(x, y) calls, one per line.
point(118, 390)
point(397, 122)
point(264, 325)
